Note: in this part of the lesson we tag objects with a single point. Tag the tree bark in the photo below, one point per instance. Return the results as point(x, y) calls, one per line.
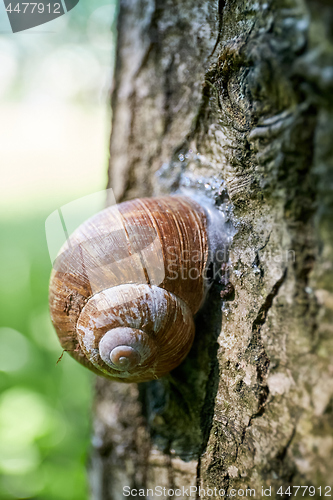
point(246, 84)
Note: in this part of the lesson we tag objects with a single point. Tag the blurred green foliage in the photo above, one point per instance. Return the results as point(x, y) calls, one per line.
point(70, 58)
point(44, 406)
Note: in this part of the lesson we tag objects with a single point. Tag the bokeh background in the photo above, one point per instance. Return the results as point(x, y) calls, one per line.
point(55, 120)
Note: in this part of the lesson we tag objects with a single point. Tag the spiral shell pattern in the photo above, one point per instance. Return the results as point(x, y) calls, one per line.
point(122, 295)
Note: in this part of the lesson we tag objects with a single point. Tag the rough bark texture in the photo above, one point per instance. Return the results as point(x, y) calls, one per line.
point(248, 85)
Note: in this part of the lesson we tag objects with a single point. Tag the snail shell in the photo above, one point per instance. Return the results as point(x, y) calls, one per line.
point(127, 283)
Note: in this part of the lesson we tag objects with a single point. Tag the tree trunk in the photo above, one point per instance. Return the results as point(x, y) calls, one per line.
point(234, 99)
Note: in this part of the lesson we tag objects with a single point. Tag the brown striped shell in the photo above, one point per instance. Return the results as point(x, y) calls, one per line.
point(125, 286)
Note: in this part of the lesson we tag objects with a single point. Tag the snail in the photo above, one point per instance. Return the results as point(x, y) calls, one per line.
point(127, 283)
